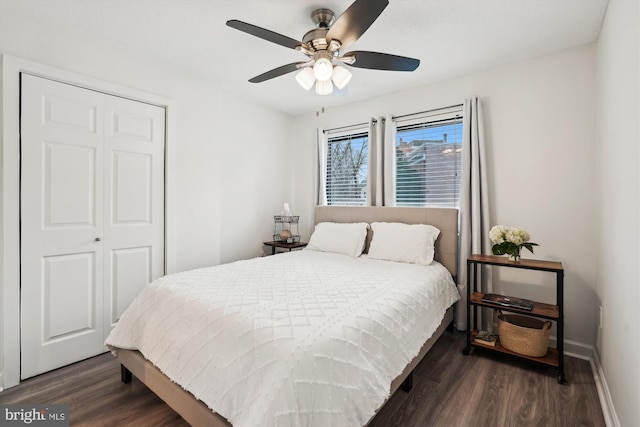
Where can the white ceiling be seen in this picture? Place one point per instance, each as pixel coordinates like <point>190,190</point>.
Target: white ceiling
<point>450,37</point>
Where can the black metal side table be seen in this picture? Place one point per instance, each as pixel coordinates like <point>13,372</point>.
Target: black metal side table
<point>284,245</point>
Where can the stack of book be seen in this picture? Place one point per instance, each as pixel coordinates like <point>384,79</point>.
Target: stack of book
<point>486,338</point>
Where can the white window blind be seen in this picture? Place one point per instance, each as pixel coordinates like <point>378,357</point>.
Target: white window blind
<point>428,162</point>
<point>347,167</point>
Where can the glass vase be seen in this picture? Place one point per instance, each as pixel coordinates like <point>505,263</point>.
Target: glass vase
<point>515,255</point>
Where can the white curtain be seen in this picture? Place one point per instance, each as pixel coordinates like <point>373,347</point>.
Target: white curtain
<point>374,181</point>
<point>321,198</point>
<point>389,163</point>
<point>474,206</point>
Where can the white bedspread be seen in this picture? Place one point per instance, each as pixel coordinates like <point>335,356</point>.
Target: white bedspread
<point>298,339</point>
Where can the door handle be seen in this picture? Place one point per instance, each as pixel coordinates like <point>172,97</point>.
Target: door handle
<point>97,239</point>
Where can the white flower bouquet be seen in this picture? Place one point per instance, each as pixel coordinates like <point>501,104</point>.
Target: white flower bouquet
<point>509,241</point>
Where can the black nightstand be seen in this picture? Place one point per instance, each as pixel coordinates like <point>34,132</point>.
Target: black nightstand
<point>284,245</point>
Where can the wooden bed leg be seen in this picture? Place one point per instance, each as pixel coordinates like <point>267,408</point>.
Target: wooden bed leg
<point>125,375</point>
<point>407,384</point>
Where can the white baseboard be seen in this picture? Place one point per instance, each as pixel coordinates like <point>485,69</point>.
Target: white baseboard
<point>588,352</point>
<point>608,410</point>
<point>574,348</point>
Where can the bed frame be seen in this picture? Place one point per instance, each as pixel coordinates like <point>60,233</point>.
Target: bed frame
<point>196,413</point>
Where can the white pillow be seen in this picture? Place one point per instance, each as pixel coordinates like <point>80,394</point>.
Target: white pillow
<point>340,238</point>
<point>412,243</point>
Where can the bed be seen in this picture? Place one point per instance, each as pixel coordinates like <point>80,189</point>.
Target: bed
<point>266,365</point>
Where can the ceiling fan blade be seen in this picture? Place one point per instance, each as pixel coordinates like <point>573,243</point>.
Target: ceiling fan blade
<point>264,34</point>
<point>277,72</point>
<point>381,61</point>
<point>355,21</point>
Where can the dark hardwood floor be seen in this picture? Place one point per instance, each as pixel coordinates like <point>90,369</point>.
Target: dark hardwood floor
<point>450,390</point>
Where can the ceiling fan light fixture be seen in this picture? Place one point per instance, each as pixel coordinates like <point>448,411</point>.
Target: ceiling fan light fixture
<point>306,78</point>
<point>324,87</point>
<point>323,46</point>
<point>340,76</point>
<point>323,69</point>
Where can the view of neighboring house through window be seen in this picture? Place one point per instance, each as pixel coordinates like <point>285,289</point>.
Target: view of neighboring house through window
<point>347,162</point>
<point>428,163</point>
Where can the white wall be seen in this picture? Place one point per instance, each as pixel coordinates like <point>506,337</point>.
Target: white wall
<point>540,125</point>
<point>618,194</point>
<point>211,123</point>
<point>210,131</point>
<point>257,186</point>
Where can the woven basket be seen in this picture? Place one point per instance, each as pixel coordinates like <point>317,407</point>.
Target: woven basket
<point>524,335</point>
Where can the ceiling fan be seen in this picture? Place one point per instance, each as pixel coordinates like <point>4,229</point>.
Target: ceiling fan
<point>324,46</point>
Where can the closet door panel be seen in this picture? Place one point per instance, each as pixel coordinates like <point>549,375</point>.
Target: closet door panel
<point>69,278</point>
<point>61,204</point>
<point>130,268</point>
<point>70,193</point>
<point>132,186</point>
<point>134,183</point>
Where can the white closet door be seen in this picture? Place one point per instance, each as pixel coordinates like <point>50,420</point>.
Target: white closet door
<point>61,217</point>
<point>134,202</point>
<point>92,223</point>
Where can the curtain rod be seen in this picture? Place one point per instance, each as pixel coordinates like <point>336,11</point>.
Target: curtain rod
<point>427,111</point>
<point>393,118</point>
<point>349,126</point>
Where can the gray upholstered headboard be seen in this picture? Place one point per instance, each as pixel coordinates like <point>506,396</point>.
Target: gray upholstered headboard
<point>446,219</point>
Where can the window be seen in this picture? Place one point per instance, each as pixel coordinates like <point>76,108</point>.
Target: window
<point>426,154</point>
<point>347,169</point>
<point>428,163</point>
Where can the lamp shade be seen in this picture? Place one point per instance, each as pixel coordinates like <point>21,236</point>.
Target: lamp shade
<point>324,87</point>
<point>323,69</point>
<point>306,78</point>
<point>340,76</point>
